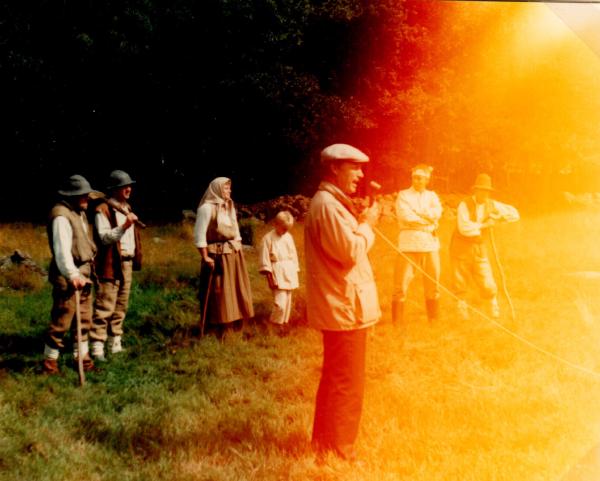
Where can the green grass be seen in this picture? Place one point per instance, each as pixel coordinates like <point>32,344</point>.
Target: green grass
<point>454,401</point>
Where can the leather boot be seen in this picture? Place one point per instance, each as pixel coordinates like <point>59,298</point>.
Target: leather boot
<point>433,308</point>
<point>50,366</point>
<point>397,312</point>
<point>88,364</point>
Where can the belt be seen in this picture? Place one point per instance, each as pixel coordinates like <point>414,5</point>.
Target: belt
<point>126,258</point>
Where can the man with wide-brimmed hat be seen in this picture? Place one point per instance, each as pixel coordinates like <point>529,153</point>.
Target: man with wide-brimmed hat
<point>418,211</point>
<point>341,296</point>
<point>475,215</point>
<point>71,270</point>
<point>119,254</point>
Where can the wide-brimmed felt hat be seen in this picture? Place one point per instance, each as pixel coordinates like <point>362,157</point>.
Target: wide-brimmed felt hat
<point>339,152</point>
<point>74,186</point>
<point>483,182</point>
<point>119,178</point>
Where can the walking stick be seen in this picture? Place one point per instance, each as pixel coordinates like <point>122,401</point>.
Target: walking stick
<point>502,276</point>
<point>204,308</point>
<point>79,343</point>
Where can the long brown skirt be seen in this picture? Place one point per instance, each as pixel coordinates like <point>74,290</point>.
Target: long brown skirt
<point>229,292</point>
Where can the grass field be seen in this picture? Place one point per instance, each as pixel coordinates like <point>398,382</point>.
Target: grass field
<point>454,401</point>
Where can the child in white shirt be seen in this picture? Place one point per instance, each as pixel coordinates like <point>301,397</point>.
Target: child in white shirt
<point>278,261</point>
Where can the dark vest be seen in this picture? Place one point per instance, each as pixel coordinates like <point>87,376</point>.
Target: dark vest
<point>83,249</point>
<point>460,242</point>
<point>108,260</point>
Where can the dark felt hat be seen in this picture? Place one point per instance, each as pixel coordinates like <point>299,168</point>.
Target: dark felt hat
<point>119,178</point>
<point>74,186</point>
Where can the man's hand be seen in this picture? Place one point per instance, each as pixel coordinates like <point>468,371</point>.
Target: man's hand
<point>488,223</point>
<point>371,214</point>
<point>80,282</point>
<point>427,218</point>
<point>130,220</point>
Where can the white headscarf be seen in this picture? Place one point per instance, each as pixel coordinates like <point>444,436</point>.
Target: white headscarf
<point>226,214</point>
<point>214,192</point>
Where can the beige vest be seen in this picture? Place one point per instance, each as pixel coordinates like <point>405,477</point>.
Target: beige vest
<point>83,248</point>
<point>219,237</point>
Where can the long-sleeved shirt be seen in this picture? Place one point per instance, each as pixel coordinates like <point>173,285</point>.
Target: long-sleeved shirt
<point>62,242</point>
<point>472,228</point>
<point>278,256</point>
<point>110,235</point>
<point>203,217</point>
<point>340,288</point>
<point>417,234</point>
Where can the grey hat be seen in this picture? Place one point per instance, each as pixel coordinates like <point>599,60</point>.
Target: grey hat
<point>119,178</point>
<point>74,186</point>
<point>343,152</point>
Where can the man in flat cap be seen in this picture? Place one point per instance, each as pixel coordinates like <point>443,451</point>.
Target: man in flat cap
<point>418,211</point>
<point>475,216</point>
<point>119,254</point>
<point>71,270</point>
<point>342,299</point>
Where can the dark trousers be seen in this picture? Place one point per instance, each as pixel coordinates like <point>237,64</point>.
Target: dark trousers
<point>340,394</point>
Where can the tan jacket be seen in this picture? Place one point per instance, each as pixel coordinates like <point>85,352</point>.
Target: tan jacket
<point>340,288</point>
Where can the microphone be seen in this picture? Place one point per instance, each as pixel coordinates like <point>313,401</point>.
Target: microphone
<point>374,185</point>
<point>373,188</point>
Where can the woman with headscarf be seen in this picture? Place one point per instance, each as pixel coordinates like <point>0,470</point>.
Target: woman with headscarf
<point>224,281</point>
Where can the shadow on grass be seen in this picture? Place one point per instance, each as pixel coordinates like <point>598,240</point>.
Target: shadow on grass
<point>17,352</point>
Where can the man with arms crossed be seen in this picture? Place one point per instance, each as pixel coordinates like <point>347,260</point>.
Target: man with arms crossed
<point>418,211</point>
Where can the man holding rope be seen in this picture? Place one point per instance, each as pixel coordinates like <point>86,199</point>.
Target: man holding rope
<point>341,296</point>
<point>475,216</point>
<point>418,211</point>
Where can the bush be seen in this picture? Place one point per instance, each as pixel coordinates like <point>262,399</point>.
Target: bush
<point>248,229</point>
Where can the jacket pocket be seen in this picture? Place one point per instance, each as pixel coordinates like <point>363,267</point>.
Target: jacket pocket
<point>368,308</point>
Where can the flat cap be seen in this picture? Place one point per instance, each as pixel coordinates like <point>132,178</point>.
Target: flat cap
<point>343,152</point>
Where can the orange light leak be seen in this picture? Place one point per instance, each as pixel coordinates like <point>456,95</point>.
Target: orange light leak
<point>502,87</point>
<point>512,89</point>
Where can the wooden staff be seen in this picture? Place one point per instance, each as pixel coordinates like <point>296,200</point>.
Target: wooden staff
<point>501,272</point>
<point>204,308</point>
<point>79,343</point>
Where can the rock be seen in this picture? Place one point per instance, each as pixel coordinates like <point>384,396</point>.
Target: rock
<point>188,215</point>
<point>21,258</point>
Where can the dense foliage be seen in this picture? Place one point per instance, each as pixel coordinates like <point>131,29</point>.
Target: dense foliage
<point>187,89</point>
<point>180,91</point>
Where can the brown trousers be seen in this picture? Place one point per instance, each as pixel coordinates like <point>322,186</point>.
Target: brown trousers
<point>110,306</point>
<point>62,315</point>
<point>471,261</point>
<point>341,389</point>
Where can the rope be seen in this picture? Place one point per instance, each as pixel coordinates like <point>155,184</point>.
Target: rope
<point>508,331</point>
<point>502,276</point>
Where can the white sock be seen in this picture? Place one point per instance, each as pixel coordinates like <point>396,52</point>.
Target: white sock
<point>51,353</point>
<point>84,349</point>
